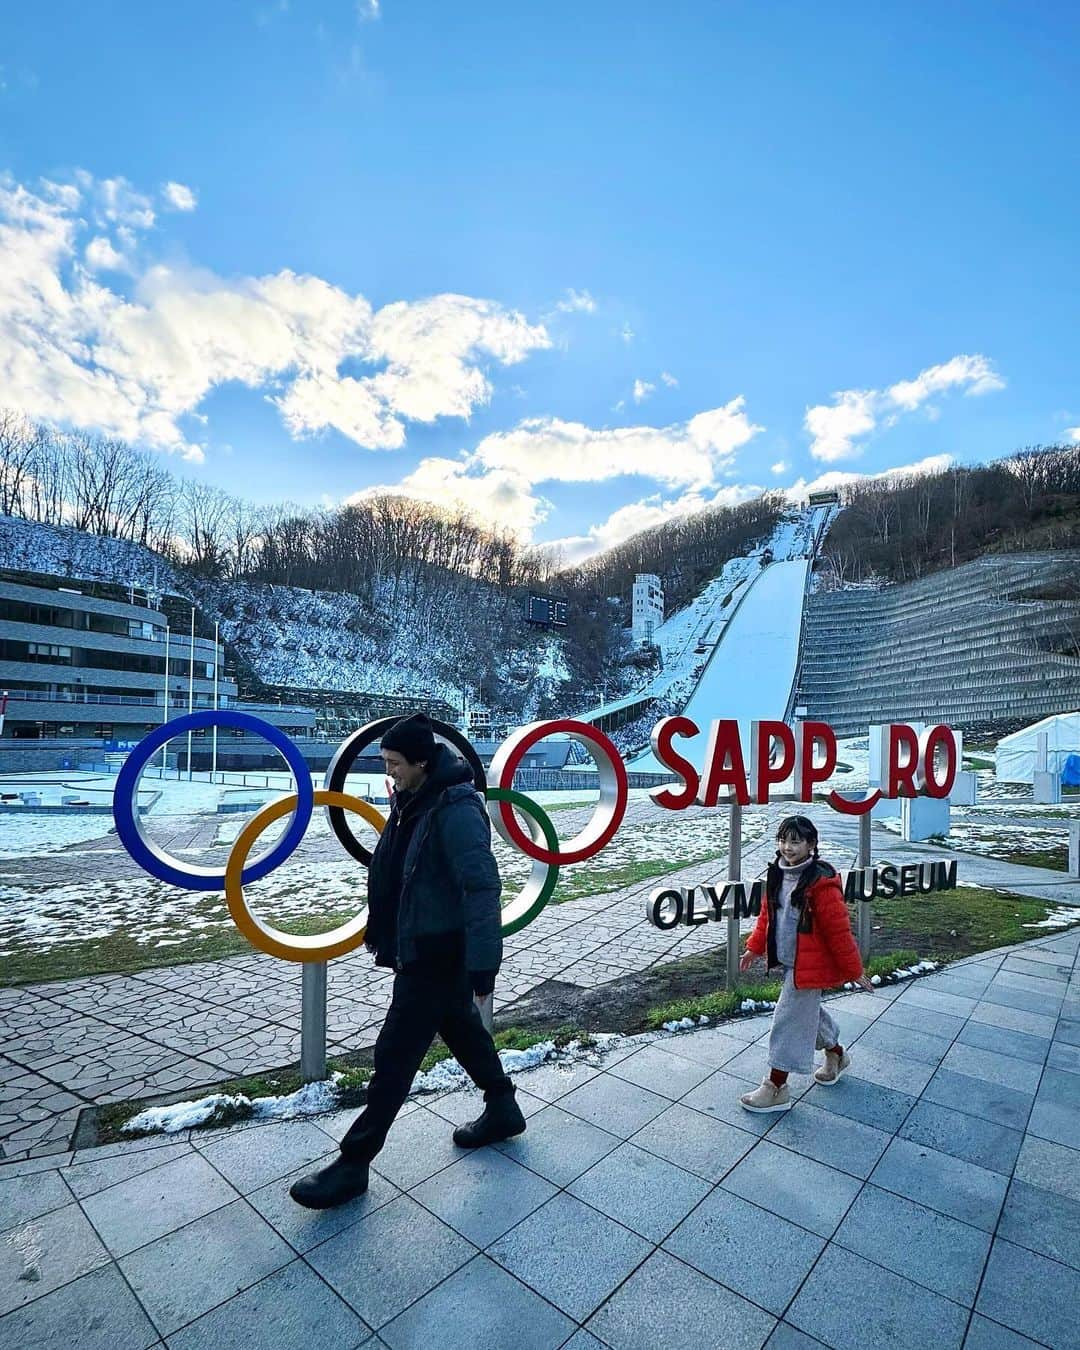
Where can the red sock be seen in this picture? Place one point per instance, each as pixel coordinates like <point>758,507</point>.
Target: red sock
<point>778,1077</point>
<point>836,1049</point>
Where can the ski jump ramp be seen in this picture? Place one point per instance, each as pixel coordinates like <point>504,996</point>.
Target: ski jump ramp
<point>752,669</point>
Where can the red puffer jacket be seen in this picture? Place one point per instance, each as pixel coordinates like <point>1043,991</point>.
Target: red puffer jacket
<point>826,954</point>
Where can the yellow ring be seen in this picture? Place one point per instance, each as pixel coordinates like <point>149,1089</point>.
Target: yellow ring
<point>290,946</point>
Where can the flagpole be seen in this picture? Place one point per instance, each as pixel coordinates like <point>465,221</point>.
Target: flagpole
<point>191,687</point>
<point>213,764</point>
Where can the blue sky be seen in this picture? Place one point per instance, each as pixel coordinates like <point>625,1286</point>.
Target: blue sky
<point>580,265</point>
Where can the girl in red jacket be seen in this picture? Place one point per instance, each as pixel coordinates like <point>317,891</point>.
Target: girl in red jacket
<point>803,927</point>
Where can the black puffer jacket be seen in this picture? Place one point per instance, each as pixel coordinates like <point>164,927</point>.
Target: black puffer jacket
<point>450,888</point>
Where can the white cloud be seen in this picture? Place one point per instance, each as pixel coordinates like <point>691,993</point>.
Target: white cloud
<point>102,257</point>
<point>974,372</point>
<point>576,302</point>
<point>854,413</point>
<point>179,197</point>
<point>73,351</point>
<point>834,428</point>
<point>642,390</point>
<point>837,478</point>
<point>643,515</point>
<point>689,454</point>
<point>1073,434</point>
<point>781,466</point>
<point>367,10</point>
<point>498,498</point>
<point>667,378</point>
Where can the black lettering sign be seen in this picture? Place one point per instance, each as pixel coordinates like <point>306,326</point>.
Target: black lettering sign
<point>908,878</point>
<point>665,908</point>
<point>887,881</point>
<point>691,919</point>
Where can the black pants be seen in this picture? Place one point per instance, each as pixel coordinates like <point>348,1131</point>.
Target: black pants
<point>427,1000</point>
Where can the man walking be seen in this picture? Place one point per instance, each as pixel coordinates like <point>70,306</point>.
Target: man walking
<point>434,917</point>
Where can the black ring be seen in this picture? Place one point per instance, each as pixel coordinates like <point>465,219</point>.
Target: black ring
<point>350,750</point>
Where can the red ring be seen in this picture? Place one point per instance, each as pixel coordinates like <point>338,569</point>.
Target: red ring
<point>536,733</point>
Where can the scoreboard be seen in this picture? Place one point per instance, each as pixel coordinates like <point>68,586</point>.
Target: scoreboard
<point>545,609</point>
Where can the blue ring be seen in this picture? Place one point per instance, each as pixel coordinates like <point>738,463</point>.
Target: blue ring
<point>127,781</point>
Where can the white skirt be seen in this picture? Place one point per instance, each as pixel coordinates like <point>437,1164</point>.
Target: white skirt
<point>800,1025</point>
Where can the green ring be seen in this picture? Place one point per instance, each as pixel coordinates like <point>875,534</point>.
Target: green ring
<point>534,904</point>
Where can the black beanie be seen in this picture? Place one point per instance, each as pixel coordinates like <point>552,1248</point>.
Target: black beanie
<point>412,737</point>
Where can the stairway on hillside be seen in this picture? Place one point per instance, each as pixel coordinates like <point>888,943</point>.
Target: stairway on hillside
<point>993,643</point>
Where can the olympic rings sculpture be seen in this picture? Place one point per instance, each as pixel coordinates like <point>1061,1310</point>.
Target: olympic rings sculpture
<point>540,842</point>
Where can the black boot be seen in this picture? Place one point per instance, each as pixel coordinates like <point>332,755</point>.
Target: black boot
<point>502,1119</point>
<point>331,1186</point>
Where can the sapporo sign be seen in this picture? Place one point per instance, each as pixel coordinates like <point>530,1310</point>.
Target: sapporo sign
<point>732,774</point>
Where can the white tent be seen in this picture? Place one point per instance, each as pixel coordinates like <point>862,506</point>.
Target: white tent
<point>1015,756</point>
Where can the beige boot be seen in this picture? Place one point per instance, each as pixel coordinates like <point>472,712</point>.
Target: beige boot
<point>767,1097</point>
<point>833,1067</point>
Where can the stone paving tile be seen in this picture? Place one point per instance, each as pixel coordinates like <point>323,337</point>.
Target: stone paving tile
<point>1050,1166</point>
<point>545,1251</point>
<point>1003,1041</point>
<point>694,1141</point>
<point>1043,1222</point>
<point>986,1335</point>
<point>251,1158</point>
<point>389,1259</point>
<point>483,1195</point>
<point>615,1105</point>
<point>723,1238</point>
<point>304,1228</point>
<point>972,1138</point>
<point>26,1197</point>
<point>1014,1019</point>
<point>1057,1121</point>
<point>552,1082</point>
<point>904,1014</point>
<point>665,1302</point>
<point>846,1296</point>
<point>977,1097</point>
<point>419,1145</point>
<point>145,1207</point>
<point>888,1069</point>
<point>661,1070</point>
<point>184,1274</point>
<point>830,1138</point>
<point>96,1312</point>
<point>648,1194</point>
<point>559,1146</point>
<point>483,1307</point>
<point>909,1239</point>
<point>993,1067</point>
<point>882,1107</point>
<point>46,1253</point>
<point>292,1309</point>
<point>961,1189</point>
<point>905,1042</point>
<point>1023,1000</point>
<point>1012,1273</point>
<point>807,1192</point>
<point>1063,1056</point>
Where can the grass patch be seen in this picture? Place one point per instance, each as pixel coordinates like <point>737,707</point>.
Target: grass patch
<point>120,953</point>
<point>573,884</point>
<point>727,1002</point>
<point>1056,859</point>
<point>954,923</point>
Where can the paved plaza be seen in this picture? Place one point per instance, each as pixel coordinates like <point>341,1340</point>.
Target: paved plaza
<point>930,1198</point>
<point>69,1044</point>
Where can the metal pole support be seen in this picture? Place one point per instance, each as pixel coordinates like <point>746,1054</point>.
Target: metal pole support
<point>864,913</point>
<point>1074,848</point>
<point>734,874</point>
<point>313,1021</point>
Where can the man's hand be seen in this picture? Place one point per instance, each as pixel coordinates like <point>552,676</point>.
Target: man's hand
<point>746,961</point>
<point>864,982</point>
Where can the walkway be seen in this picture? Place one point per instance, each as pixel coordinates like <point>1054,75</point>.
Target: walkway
<point>66,1045</point>
<point>931,1198</point>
